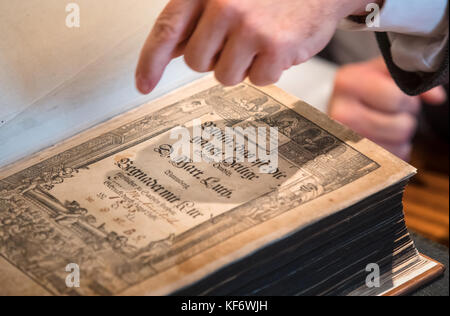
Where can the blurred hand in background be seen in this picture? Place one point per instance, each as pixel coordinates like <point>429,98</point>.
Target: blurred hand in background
<point>367,100</point>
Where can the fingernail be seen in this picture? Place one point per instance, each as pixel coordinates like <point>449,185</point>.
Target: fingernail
<point>440,94</point>
<point>436,96</point>
<point>143,85</point>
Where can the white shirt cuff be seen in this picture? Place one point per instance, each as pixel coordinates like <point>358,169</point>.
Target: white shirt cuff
<point>418,30</point>
<point>411,17</point>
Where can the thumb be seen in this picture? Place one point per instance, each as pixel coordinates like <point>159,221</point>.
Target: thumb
<point>435,96</point>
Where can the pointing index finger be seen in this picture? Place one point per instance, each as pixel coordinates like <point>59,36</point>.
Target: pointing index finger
<point>172,27</point>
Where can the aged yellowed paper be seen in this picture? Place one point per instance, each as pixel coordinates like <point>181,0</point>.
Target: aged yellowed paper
<point>113,202</point>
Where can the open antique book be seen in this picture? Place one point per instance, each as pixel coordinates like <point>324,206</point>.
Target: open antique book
<point>112,201</point>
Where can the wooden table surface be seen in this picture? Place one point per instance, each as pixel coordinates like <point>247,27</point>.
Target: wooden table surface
<point>427,196</point>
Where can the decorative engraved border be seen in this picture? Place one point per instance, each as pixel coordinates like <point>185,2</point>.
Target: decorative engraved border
<point>133,266</point>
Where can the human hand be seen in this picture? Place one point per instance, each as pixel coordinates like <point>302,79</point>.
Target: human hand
<point>239,38</point>
<point>367,100</point>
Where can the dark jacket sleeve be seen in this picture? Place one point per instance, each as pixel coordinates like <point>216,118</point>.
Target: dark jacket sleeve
<point>412,83</point>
